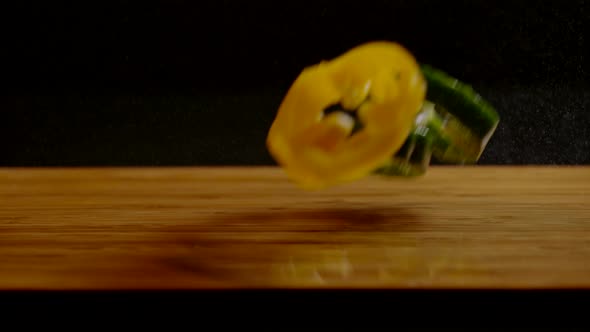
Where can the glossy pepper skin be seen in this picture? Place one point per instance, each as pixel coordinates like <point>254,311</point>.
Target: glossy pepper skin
<point>381,81</point>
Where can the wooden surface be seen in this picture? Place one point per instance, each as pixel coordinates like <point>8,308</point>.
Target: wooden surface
<point>167,228</point>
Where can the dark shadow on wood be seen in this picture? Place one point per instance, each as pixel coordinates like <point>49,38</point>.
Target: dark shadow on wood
<point>238,247</point>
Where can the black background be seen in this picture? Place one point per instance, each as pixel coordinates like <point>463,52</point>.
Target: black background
<point>199,82</point>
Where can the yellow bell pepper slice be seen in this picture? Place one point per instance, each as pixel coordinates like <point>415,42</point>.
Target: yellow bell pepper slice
<point>379,81</point>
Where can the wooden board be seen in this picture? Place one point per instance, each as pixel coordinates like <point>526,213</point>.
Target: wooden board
<point>244,227</point>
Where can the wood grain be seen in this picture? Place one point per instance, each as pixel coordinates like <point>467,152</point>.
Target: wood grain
<point>244,227</point>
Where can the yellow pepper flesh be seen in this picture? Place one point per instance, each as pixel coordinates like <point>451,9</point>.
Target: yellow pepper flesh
<point>382,80</point>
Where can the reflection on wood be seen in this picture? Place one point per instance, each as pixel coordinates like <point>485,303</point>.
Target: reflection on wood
<point>237,227</point>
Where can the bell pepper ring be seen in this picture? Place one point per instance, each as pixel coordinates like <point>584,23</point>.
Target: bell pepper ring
<point>377,84</point>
